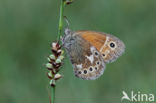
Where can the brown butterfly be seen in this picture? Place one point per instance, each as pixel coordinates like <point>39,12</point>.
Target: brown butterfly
<point>89,51</point>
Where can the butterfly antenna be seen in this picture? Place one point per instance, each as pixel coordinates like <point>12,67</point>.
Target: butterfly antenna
<point>67,21</point>
<point>67,30</point>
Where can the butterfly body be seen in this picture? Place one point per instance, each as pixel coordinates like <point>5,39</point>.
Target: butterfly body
<point>89,51</point>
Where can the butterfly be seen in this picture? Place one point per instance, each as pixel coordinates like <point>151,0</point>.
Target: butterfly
<point>90,51</point>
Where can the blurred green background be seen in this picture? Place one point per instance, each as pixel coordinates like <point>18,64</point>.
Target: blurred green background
<point>27,28</point>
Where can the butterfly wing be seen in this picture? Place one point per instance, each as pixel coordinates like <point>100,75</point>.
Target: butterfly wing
<point>87,62</point>
<point>92,66</point>
<point>108,45</point>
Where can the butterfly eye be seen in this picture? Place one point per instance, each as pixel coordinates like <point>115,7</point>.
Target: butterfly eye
<point>85,71</point>
<point>67,31</point>
<point>112,45</point>
<point>71,39</point>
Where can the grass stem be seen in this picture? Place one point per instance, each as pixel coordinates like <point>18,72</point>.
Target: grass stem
<point>53,95</point>
<point>60,29</point>
<point>61,19</point>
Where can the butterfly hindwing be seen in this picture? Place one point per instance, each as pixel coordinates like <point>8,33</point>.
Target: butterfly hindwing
<point>92,67</point>
<point>108,45</point>
<point>87,62</point>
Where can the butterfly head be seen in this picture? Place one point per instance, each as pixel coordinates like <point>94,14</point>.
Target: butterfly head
<point>68,38</point>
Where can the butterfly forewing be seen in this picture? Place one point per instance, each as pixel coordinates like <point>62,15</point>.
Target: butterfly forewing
<point>108,45</point>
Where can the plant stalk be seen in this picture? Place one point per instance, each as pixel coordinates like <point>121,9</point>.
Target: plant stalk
<point>60,29</point>
<point>53,95</point>
<point>61,19</point>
